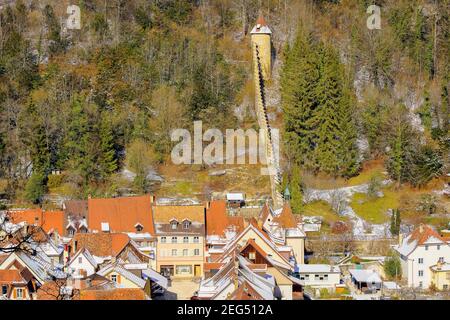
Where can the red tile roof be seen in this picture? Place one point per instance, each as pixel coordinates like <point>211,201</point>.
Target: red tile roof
<point>48,220</point>
<point>11,276</point>
<point>122,214</point>
<point>245,292</point>
<point>217,219</point>
<point>261,21</point>
<point>422,233</point>
<point>102,244</point>
<point>114,294</point>
<point>286,218</point>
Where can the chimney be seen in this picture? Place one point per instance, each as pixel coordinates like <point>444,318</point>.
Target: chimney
<point>89,196</point>
<point>208,204</point>
<point>152,198</point>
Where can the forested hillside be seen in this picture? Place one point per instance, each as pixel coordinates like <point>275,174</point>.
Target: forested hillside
<point>100,101</point>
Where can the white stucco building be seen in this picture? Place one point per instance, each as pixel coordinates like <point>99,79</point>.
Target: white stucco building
<point>420,250</point>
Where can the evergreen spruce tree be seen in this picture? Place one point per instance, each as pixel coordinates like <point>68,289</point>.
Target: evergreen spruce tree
<point>107,158</point>
<point>295,188</point>
<point>298,83</point>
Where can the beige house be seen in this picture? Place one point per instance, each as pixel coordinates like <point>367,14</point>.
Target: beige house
<point>180,231</point>
<point>440,276</point>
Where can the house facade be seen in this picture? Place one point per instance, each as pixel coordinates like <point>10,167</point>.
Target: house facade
<point>180,230</point>
<point>418,251</point>
<point>440,276</point>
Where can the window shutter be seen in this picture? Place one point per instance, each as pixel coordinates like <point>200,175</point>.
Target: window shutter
<point>118,278</point>
<point>14,294</point>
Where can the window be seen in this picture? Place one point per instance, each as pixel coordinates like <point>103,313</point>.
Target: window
<point>426,247</point>
<point>196,252</point>
<point>196,239</point>
<point>184,269</point>
<point>325,277</point>
<point>420,284</point>
<point>186,224</point>
<point>4,290</point>
<point>80,259</point>
<point>174,225</point>
<point>439,247</point>
<point>139,228</point>
<point>114,278</point>
<point>174,239</point>
<point>174,252</point>
<point>316,277</point>
<point>420,273</point>
<point>163,239</point>
<point>185,239</point>
<point>71,232</point>
<point>445,287</point>
<point>420,260</point>
<point>306,276</point>
<point>252,255</point>
<point>441,259</point>
<point>185,252</point>
<point>19,293</point>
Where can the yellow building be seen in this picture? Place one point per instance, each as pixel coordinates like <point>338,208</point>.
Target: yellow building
<point>440,276</point>
<point>261,37</point>
<point>181,240</point>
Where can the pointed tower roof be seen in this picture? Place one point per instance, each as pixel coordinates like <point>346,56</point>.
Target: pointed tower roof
<point>286,218</point>
<point>261,26</point>
<point>261,21</point>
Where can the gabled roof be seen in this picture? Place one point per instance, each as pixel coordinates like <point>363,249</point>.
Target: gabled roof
<point>85,252</point>
<point>121,213</point>
<point>231,246</point>
<point>48,220</point>
<point>11,277</point>
<point>421,235</point>
<point>217,219</point>
<point>365,275</point>
<point>123,272</point>
<point>245,292</point>
<point>286,218</point>
<point>102,244</point>
<point>265,211</point>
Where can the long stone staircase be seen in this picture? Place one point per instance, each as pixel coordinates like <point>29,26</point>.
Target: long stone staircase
<point>263,120</point>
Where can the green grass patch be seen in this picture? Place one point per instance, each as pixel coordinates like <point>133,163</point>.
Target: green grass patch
<point>366,175</point>
<point>374,210</point>
<point>321,208</point>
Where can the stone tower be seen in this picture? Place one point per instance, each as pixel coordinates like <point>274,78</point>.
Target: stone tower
<point>262,38</point>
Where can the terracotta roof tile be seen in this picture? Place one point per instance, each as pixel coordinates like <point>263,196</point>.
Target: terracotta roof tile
<point>102,244</point>
<point>422,233</point>
<point>114,294</point>
<point>11,276</point>
<point>164,214</point>
<point>48,220</point>
<point>261,21</point>
<point>286,218</point>
<point>217,219</point>
<point>245,292</point>
<point>122,214</point>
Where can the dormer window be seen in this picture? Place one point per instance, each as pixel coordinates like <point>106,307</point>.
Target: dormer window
<point>173,224</point>
<point>139,227</point>
<point>186,224</point>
